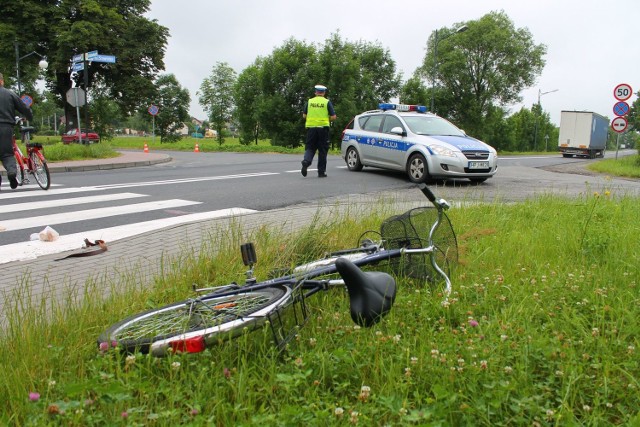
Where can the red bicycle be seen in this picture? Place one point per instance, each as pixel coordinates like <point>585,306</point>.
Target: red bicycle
<point>34,162</point>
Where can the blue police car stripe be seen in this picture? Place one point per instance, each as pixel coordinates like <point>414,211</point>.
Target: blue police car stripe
<point>391,144</point>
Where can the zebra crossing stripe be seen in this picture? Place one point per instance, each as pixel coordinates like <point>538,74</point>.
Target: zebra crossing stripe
<point>33,249</point>
<point>62,218</point>
<point>29,206</point>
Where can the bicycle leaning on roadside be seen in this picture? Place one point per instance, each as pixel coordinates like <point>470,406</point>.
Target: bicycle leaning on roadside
<point>34,162</point>
<point>419,243</point>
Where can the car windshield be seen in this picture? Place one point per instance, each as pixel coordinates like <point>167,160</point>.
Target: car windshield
<point>429,125</point>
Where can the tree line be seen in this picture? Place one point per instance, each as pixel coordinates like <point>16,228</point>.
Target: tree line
<point>471,73</point>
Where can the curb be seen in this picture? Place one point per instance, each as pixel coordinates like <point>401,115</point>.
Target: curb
<point>107,166</point>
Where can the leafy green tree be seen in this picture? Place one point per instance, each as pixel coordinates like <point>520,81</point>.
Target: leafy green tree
<point>46,114</point>
<point>173,104</point>
<point>248,96</point>
<point>414,91</point>
<point>487,65</point>
<point>216,97</point>
<point>634,114</point>
<point>286,76</point>
<point>59,29</point>
<point>105,112</point>
<point>358,75</point>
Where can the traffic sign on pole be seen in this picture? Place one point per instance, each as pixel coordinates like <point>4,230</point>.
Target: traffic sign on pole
<point>76,97</point>
<point>622,92</point>
<point>104,58</point>
<point>91,55</point>
<point>28,101</point>
<point>621,108</point>
<point>619,124</point>
<point>77,66</point>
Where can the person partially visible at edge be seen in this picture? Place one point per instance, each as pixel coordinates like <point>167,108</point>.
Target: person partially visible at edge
<point>318,115</point>
<point>9,103</point>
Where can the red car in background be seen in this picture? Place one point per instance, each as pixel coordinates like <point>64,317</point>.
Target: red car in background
<point>88,136</point>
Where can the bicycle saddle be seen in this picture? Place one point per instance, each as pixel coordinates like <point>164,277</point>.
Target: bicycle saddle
<point>371,294</point>
<point>25,129</point>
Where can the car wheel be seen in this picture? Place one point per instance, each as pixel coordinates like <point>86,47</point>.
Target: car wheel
<point>353,160</point>
<point>417,168</point>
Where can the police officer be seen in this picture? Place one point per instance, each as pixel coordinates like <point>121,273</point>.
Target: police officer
<point>9,103</point>
<point>318,115</point>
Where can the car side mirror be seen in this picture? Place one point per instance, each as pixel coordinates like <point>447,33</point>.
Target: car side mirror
<point>398,131</point>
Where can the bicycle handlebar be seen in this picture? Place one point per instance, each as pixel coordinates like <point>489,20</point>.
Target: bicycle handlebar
<point>425,190</point>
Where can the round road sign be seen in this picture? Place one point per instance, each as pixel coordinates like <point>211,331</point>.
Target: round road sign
<point>153,110</point>
<point>619,124</point>
<point>27,100</point>
<point>621,108</point>
<point>622,92</point>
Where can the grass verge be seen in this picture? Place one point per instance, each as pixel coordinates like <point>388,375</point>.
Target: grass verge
<point>627,166</point>
<point>541,330</point>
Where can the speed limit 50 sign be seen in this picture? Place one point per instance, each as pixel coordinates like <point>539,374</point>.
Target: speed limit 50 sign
<point>622,92</point>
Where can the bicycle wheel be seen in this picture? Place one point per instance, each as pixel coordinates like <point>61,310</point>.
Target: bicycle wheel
<point>192,325</point>
<point>40,170</point>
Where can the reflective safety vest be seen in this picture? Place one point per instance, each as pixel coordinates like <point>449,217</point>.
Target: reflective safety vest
<point>317,112</point>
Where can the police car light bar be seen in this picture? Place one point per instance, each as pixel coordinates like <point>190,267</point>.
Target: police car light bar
<point>403,107</point>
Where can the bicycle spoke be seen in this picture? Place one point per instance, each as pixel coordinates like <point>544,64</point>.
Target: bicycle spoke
<point>192,316</point>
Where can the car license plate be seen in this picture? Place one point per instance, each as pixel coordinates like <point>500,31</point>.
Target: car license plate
<point>478,165</point>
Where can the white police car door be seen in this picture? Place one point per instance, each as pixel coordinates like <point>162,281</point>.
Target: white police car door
<point>369,138</point>
<point>389,148</point>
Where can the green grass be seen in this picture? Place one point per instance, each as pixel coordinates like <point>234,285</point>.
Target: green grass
<point>56,151</point>
<point>627,166</point>
<point>204,145</point>
<point>541,329</point>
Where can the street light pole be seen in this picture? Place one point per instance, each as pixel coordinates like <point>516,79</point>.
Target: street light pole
<point>43,64</point>
<point>436,40</point>
<point>535,133</point>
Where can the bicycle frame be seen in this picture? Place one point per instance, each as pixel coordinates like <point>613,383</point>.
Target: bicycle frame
<point>33,162</point>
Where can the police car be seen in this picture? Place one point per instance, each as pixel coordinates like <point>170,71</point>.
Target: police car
<point>407,138</point>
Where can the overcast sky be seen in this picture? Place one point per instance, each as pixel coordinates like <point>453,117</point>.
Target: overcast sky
<point>592,45</point>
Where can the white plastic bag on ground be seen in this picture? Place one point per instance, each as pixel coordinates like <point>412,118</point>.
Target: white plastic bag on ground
<point>49,234</point>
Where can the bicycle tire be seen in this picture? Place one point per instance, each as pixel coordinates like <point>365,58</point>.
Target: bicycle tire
<point>40,170</point>
<point>192,325</point>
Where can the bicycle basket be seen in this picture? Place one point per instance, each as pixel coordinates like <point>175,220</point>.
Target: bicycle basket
<point>411,230</point>
<point>286,320</point>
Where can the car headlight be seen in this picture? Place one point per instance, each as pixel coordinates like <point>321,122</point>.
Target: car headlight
<point>442,151</point>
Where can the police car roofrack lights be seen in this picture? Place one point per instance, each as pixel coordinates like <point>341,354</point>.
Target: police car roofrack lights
<point>402,107</point>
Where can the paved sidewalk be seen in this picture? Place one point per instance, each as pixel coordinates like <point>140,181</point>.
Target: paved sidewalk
<point>127,159</point>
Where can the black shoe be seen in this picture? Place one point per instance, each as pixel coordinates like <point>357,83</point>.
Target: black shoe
<point>322,175</point>
<point>303,171</point>
<point>13,182</point>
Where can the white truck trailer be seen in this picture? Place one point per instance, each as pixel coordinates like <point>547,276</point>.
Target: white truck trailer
<point>582,133</point>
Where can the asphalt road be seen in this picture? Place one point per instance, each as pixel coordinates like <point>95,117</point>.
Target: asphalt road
<point>209,182</point>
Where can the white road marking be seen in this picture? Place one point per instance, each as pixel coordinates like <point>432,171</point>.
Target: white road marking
<point>21,194</point>
<point>39,221</point>
<point>186,180</point>
<point>29,206</point>
<point>33,249</point>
